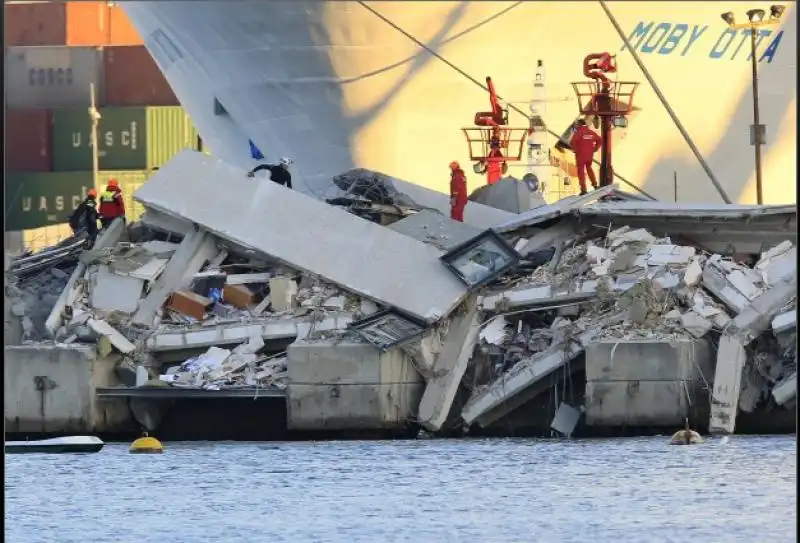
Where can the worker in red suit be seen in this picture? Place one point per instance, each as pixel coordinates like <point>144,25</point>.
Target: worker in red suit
<point>585,143</point>
<point>494,169</point>
<point>458,192</point>
<point>111,204</point>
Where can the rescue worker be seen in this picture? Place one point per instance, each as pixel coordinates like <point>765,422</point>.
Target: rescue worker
<point>458,192</point>
<point>84,218</point>
<point>111,204</point>
<point>279,173</point>
<point>585,143</point>
<point>494,168</point>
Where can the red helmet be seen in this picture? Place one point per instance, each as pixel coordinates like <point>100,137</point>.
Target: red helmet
<point>112,184</point>
<point>454,165</point>
<point>92,193</point>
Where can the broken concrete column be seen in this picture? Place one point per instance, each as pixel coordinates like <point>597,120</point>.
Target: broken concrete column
<point>451,363</point>
<point>731,358</point>
<point>196,248</point>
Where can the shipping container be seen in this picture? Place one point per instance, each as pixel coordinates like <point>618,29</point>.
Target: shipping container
<point>46,77</point>
<point>36,239</point>
<point>128,138</point>
<point>68,23</point>
<point>28,144</point>
<point>129,181</point>
<point>122,30</point>
<point>33,200</point>
<point>134,79</point>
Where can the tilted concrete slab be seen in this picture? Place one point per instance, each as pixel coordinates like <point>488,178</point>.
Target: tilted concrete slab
<point>757,317</point>
<point>784,321</point>
<point>551,211</point>
<point>435,229</point>
<point>719,228</point>
<point>449,367</point>
<point>525,374</point>
<point>731,358</point>
<point>228,334</point>
<point>305,234</point>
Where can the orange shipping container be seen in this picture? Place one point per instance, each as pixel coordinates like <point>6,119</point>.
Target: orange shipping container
<point>28,140</point>
<point>72,23</point>
<point>122,31</point>
<point>132,78</point>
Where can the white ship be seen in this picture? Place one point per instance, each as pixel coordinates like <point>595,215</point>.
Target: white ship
<point>341,84</point>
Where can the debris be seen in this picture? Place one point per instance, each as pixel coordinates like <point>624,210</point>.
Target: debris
<point>238,296</point>
<point>190,304</point>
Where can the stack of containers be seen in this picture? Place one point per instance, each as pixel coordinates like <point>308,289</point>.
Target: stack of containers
<point>54,52</point>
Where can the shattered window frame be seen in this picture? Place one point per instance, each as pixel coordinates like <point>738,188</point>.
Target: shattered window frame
<point>375,325</point>
<point>490,237</point>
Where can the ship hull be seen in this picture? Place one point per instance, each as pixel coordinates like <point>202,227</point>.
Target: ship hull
<point>333,85</point>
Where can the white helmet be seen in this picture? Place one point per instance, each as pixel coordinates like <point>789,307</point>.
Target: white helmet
<point>286,162</point>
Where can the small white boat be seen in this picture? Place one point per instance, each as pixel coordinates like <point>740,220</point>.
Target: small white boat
<point>57,445</point>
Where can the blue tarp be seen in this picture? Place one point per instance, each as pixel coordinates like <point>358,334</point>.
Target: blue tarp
<point>254,152</point>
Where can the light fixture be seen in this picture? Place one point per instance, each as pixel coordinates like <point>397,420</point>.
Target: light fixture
<point>775,12</point>
<point>728,18</point>
<point>755,15</point>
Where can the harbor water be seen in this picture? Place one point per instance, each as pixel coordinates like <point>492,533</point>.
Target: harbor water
<point>742,489</point>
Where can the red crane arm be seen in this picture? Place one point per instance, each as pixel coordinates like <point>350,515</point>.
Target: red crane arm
<point>596,65</point>
<point>497,111</point>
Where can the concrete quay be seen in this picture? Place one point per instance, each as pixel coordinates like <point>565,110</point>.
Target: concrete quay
<point>596,315</point>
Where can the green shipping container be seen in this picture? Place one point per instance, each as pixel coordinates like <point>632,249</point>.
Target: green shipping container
<point>43,199</point>
<point>128,138</point>
<point>129,181</point>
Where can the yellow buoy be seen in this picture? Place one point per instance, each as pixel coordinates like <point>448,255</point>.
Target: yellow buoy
<point>146,445</point>
<point>687,436</point>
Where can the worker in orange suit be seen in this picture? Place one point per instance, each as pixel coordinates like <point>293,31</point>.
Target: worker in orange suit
<point>111,204</point>
<point>585,143</point>
<point>458,192</point>
<point>494,169</point>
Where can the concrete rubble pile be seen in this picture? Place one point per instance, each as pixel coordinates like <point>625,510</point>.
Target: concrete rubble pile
<point>212,296</point>
<point>630,285</point>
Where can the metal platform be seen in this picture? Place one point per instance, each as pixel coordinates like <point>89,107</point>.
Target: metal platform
<point>172,393</point>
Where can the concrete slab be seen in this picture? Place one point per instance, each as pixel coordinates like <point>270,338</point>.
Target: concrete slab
<point>784,321</point>
<point>551,211</point>
<point>450,365</point>
<point>435,229</point>
<point>648,360</point>
<point>756,317</point>
<point>149,272</point>
<point>112,292</point>
<point>731,358</point>
<point>120,342</point>
<point>196,248</point>
<point>550,237</point>
<point>228,334</point>
<point>305,234</point>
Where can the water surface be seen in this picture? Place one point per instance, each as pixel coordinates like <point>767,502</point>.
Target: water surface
<point>418,491</point>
